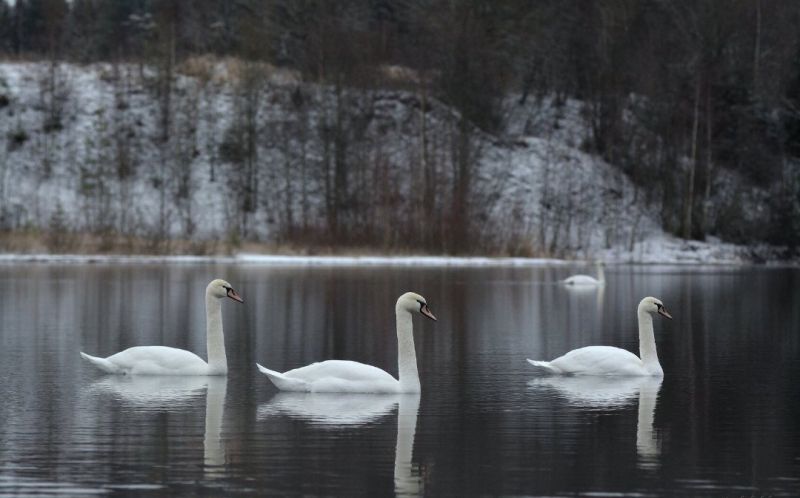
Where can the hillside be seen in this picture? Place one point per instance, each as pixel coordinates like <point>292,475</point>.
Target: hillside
<point>236,152</point>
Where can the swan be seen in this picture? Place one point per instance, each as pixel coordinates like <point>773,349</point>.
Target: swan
<point>162,360</point>
<point>586,280</point>
<point>607,360</point>
<point>354,377</point>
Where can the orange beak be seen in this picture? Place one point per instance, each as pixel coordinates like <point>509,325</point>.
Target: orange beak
<point>427,312</point>
<point>233,295</point>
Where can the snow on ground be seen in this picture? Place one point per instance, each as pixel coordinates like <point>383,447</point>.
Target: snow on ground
<point>534,182</point>
<point>663,251</point>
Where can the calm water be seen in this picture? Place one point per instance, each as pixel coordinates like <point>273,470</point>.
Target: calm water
<point>725,420</point>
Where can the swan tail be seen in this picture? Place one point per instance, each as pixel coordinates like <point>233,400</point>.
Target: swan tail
<point>101,363</point>
<point>283,382</point>
<point>545,365</point>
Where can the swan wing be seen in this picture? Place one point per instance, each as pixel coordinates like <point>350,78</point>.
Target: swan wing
<point>336,376</point>
<point>599,360</point>
<point>152,360</point>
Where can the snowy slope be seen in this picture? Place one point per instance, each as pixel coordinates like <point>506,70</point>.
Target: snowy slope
<point>533,184</point>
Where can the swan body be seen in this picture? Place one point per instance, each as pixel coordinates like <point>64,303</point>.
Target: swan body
<point>586,280</point>
<point>151,360</point>
<point>163,360</point>
<point>354,377</point>
<point>607,360</point>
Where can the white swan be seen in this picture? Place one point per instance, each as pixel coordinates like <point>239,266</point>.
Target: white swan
<point>162,360</point>
<point>586,280</point>
<point>607,360</point>
<point>354,377</point>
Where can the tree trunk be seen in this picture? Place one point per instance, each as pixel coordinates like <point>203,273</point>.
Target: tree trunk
<point>689,199</point>
<point>709,167</point>
<point>757,50</point>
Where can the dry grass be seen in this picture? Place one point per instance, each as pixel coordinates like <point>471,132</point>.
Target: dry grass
<point>52,242</point>
<point>231,70</point>
<point>41,242</point>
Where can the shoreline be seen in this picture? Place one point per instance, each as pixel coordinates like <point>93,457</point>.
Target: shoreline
<point>260,259</point>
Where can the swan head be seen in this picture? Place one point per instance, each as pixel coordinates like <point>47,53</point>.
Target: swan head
<point>654,305</point>
<point>220,288</point>
<point>414,303</point>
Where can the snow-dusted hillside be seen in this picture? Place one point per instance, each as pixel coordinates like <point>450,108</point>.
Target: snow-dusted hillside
<point>86,148</point>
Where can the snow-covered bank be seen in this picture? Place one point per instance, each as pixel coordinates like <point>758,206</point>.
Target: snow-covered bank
<point>664,250</point>
<point>671,250</point>
<point>279,260</point>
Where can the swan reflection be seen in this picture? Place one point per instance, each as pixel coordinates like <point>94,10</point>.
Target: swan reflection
<point>151,392</point>
<point>213,444</point>
<point>613,392</point>
<point>342,410</point>
<point>330,409</point>
<point>407,476</point>
<point>160,393</point>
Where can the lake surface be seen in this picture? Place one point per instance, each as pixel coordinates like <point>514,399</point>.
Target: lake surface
<point>724,421</point>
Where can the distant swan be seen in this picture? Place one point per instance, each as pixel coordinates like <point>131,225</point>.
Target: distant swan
<point>586,280</point>
<point>354,377</point>
<point>607,360</point>
<point>162,360</point>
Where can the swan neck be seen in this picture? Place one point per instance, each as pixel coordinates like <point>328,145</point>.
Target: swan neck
<point>406,354</point>
<point>647,344</point>
<point>215,340</point>
<point>601,274</point>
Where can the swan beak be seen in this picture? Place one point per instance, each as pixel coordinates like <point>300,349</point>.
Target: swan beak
<point>663,312</point>
<point>427,312</point>
<point>233,295</point>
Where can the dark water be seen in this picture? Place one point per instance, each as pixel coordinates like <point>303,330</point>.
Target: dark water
<point>725,420</point>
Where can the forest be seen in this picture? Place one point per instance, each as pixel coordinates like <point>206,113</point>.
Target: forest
<point>403,125</point>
